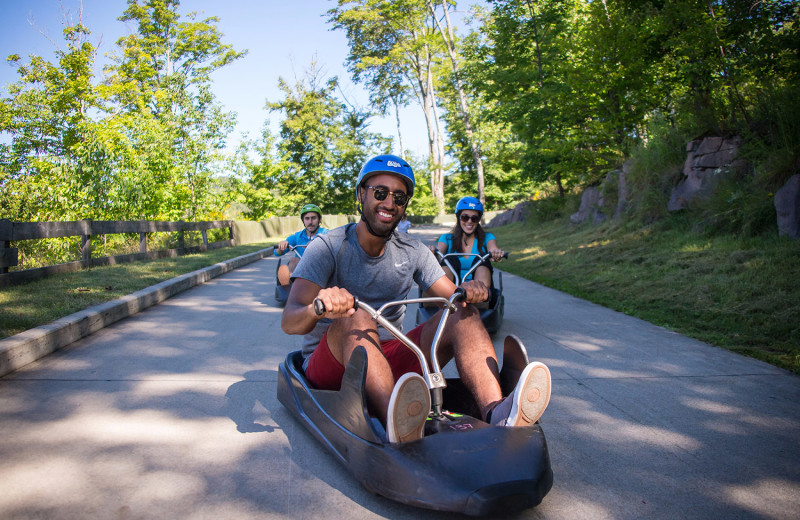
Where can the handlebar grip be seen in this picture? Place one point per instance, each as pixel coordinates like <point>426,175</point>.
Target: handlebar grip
<point>459,294</point>
<point>319,306</point>
<point>505,254</point>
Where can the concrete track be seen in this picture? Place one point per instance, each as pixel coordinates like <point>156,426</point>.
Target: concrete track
<point>172,413</point>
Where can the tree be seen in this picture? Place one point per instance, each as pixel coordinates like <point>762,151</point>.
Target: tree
<point>323,145</point>
<point>450,45</point>
<point>397,38</point>
<point>52,167</point>
<point>520,64</point>
<point>161,82</point>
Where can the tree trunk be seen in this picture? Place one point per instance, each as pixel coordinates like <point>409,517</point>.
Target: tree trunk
<point>423,68</point>
<point>462,97</point>
<point>399,132</point>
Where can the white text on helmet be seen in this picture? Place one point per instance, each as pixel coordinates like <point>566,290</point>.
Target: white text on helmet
<point>393,164</point>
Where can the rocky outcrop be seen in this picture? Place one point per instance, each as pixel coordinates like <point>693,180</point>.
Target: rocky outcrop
<point>612,197</point>
<point>623,193</point>
<point>591,209</point>
<point>708,160</point>
<point>787,206</point>
<point>517,214</point>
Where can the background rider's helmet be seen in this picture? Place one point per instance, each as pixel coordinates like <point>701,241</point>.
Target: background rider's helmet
<point>310,208</point>
<point>387,163</point>
<point>469,203</point>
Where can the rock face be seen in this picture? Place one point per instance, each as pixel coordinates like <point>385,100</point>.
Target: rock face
<point>623,193</point>
<point>507,217</point>
<point>595,206</point>
<point>708,160</point>
<point>787,205</point>
<point>591,207</point>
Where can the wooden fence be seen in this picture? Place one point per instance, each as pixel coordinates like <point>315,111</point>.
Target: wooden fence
<point>17,231</point>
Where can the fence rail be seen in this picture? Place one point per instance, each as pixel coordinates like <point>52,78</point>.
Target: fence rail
<point>19,231</point>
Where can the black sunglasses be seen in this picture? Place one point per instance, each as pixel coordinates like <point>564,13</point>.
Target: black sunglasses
<point>381,192</point>
<point>474,218</point>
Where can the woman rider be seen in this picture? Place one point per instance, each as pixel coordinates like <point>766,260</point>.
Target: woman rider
<point>467,236</point>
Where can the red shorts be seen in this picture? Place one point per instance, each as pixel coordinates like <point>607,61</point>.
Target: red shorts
<point>325,372</point>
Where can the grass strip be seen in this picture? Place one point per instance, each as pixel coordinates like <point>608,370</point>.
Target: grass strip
<point>737,293</point>
<point>29,305</point>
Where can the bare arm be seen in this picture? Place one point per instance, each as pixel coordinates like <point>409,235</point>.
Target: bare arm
<point>299,316</point>
<point>476,291</point>
<point>497,253</point>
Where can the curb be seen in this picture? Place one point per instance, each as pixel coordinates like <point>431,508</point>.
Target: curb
<point>28,346</point>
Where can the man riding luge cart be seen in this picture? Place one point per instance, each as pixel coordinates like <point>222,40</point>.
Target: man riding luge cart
<point>366,367</point>
<point>296,243</point>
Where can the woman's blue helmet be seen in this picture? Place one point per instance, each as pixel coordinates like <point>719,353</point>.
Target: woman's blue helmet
<point>387,163</point>
<point>469,203</point>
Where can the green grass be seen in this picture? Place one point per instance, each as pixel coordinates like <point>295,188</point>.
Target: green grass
<point>29,305</point>
<point>736,293</point>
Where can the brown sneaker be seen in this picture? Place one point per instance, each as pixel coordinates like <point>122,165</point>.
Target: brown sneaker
<point>408,408</point>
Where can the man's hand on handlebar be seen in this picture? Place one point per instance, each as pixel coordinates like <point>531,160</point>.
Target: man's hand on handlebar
<point>338,302</point>
<point>282,246</point>
<point>476,291</point>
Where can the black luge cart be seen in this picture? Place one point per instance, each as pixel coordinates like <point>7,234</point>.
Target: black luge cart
<point>462,464</point>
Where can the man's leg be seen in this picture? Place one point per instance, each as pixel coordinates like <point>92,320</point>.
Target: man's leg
<point>344,335</point>
<point>284,275</point>
<point>466,339</point>
<point>285,271</point>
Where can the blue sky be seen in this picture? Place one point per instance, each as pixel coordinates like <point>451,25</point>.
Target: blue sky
<point>282,37</point>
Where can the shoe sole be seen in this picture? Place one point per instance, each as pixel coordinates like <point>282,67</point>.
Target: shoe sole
<point>532,397</point>
<point>408,409</point>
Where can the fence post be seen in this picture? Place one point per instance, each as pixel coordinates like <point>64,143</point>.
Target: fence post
<point>9,256</point>
<point>181,242</point>
<point>230,233</point>
<point>86,244</point>
<point>142,242</point>
<point>205,236</point>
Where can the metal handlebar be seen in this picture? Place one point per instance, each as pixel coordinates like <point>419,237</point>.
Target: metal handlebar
<point>294,249</point>
<point>457,275</point>
<point>433,375</point>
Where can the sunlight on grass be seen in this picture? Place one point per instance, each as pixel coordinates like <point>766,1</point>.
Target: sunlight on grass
<point>732,292</point>
<point>695,247</point>
<point>596,243</point>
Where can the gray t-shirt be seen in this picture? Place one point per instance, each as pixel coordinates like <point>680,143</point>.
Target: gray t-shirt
<point>337,260</point>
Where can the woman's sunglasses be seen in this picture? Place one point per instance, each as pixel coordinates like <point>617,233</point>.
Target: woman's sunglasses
<point>381,192</point>
<point>466,218</point>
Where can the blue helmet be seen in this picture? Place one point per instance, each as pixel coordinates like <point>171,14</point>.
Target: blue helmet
<point>387,163</point>
<point>469,203</point>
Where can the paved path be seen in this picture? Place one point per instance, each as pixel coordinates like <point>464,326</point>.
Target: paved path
<point>172,413</point>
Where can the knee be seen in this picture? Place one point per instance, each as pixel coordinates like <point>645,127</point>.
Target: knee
<point>467,314</point>
<point>483,274</point>
<point>359,328</point>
